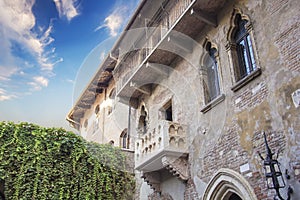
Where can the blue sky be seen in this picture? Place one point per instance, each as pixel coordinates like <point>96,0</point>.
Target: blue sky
<point>49,50</point>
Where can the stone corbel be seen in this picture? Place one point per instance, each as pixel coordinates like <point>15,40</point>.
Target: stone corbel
<point>152,179</point>
<point>177,166</point>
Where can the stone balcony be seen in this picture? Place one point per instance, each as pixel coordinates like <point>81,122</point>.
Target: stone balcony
<point>161,146</point>
<point>145,46</point>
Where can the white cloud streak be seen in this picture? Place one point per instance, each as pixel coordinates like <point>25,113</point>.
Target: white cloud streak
<point>66,8</point>
<point>6,72</point>
<point>38,82</point>
<point>115,20</point>
<point>16,24</point>
<point>5,96</point>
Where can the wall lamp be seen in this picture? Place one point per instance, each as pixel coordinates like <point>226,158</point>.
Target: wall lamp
<point>273,173</point>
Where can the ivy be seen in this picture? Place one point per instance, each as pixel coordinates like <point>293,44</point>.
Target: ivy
<point>51,163</point>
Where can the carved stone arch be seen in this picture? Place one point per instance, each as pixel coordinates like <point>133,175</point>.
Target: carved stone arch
<point>227,182</point>
<point>143,119</point>
<point>205,44</point>
<point>233,24</point>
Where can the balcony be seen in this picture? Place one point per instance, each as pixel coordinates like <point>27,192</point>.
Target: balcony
<point>145,44</point>
<point>167,142</point>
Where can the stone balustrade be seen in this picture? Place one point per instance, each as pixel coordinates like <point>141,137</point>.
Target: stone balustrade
<point>167,139</point>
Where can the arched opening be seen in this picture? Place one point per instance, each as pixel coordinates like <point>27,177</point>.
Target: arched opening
<point>124,139</point>
<point>227,184</point>
<point>142,126</point>
<point>234,197</point>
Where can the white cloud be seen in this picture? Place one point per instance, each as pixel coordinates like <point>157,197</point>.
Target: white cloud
<point>70,81</point>
<point>5,96</point>
<point>114,21</point>
<point>16,26</point>
<point>38,82</point>
<point>102,55</point>
<point>66,8</point>
<point>6,72</point>
<point>120,14</point>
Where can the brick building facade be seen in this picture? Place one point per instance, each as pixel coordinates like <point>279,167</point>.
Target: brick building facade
<point>196,83</point>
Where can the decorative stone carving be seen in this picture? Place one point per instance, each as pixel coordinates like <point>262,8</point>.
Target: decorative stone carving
<point>152,179</point>
<point>177,166</point>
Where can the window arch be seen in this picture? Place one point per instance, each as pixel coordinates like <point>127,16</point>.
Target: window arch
<point>124,139</point>
<point>241,50</point>
<point>210,73</point>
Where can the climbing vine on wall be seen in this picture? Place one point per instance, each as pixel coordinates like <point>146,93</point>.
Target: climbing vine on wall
<point>51,163</point>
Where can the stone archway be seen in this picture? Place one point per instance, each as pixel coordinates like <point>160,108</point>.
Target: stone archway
<point>227,184</point>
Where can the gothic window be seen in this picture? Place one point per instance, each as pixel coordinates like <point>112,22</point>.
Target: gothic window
<point>211,74</point>
<point>124,140</point>
<point>244,48</point>
<point>241,50</point>
<point>142,126</point>
<point>111,97</point>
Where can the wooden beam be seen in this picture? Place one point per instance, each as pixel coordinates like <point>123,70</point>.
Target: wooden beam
<point>101,84</point>
<point>84,106</point>
<point>206,18</point>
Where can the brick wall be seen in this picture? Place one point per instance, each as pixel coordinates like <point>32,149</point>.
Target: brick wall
<point>289,47</point>
<point>250,97</point>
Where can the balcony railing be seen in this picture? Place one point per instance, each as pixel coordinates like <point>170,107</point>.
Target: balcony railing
<point>152,38</point>
<point>167,139</point>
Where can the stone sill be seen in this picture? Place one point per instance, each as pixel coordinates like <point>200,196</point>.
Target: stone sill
<point>213,103</point>
<point>246,80</point>
<point>127,150</point>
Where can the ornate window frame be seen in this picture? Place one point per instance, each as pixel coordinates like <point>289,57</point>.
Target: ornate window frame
<point>234,60</point>
<point>209,102</point>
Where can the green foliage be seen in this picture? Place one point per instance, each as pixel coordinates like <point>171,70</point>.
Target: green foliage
<point>50,163</point>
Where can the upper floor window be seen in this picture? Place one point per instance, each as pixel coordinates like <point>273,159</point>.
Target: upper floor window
<point>210,74</point>
<point>241,50</point>
<point>112,96</point>
<point>142,124</point>
<point>124,139</point>
<point>244,49</point>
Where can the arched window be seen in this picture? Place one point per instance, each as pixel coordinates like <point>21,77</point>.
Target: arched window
<point>124,139</point>
<point>142,126</point>
<point>241,50</point>
<point>210,74</point>
<point>244,48</point>
<point>111,97</point>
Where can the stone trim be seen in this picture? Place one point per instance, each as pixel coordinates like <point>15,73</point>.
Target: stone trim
<point>246,80</point>
<point>213,103</point>
<point>227,181</point>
